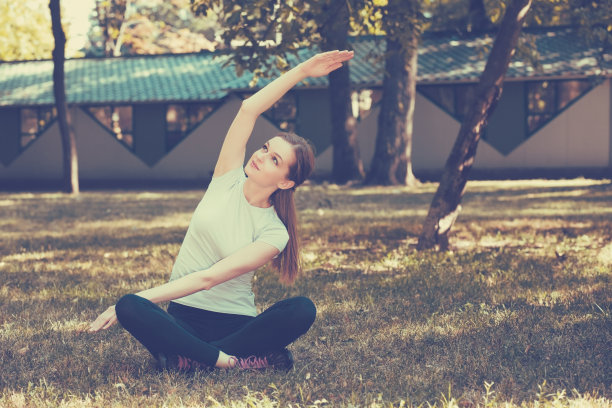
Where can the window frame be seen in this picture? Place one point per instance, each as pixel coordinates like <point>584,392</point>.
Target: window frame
<point>87,110</point>
<point>39,129</point>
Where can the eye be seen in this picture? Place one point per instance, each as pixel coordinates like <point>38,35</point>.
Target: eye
<point>275,161</point>
<point>264,148</point>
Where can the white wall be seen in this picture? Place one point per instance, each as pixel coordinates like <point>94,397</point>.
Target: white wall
<point>41,160</point>
<point>578,137</point>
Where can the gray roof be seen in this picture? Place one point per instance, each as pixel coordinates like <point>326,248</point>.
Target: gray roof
<point>201,76</point>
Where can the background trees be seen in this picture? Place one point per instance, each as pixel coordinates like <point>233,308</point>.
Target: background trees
<point>149,27</point>
<point>24,29</point>
<point>592,18</point>
<point>269,32</point>
<point>402,22</point>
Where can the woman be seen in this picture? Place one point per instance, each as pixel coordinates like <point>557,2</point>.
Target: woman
<point>245,219</point>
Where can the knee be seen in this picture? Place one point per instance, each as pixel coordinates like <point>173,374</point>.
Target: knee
<point>304,311</point>
<point>126,307</point>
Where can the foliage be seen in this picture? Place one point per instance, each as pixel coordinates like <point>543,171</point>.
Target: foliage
<point>149,27</point>
<point>518,313</point>
<point>110,18</point>
<point>263,34</point>
<point>25,28</point>
<point>251,28</point>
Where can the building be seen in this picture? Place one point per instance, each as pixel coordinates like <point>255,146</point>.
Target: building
<point>161,119</point>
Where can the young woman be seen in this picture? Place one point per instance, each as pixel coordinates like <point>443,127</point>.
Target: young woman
<point>245,219</point>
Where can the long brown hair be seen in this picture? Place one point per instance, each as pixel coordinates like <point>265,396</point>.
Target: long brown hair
<point>288,261</point>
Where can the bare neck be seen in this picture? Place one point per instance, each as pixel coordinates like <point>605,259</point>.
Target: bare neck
<point>257,195</point>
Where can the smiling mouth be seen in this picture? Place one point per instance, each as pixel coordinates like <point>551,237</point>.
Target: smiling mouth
<point>254,165</point>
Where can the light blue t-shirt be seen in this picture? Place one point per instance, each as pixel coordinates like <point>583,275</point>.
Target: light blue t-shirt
<point>223,223</point>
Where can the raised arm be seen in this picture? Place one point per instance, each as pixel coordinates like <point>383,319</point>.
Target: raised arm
<point>234,146</point>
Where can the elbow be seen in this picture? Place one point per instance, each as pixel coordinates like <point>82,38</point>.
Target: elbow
<point>249,108</point>
<point>206,283</point>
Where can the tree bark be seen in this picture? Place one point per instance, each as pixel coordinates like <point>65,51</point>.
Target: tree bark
<point>392,160</point>
<point>445,205</point>
<point>70,162</point>
<point>347,165</point>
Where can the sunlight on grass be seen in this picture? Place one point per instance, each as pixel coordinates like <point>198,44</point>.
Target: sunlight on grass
<point>516,314</point>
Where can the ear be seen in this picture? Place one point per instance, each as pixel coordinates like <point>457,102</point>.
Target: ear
<point>286,184</point>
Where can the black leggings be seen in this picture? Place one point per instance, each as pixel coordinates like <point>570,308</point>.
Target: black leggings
<point>201,334</point>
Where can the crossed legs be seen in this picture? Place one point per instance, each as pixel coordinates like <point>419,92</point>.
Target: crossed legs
<point>213,338</point>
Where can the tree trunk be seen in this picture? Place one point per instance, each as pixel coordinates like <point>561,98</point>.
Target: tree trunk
<point>477,19</point>
<point>392,161</point>
<point>347,165</point>
<point>445,205</point>
<point>70,163</point>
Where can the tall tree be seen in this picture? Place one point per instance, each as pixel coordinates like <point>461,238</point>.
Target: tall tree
<point>334,27</point>
<point>271,31</point>
<point>445,205</point>
<point>392,161</point>
<point>70,162</point>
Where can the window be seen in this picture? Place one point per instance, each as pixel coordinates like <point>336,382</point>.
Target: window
<point>34,121</point>
<point>546,99</point>
<point>524,108</point>
<point>283,113</point>
<point>118,120</point>
<point>453,99</point>
<point>181,119</point>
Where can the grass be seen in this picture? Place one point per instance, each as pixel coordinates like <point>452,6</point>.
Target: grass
<point>518,313</point>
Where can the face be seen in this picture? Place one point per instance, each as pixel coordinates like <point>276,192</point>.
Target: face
<point>270,164</point>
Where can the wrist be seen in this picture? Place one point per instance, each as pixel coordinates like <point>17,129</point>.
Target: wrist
<point>301,71</point>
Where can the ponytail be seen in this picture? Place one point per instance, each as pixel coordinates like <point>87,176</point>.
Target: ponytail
<point>288,261</point>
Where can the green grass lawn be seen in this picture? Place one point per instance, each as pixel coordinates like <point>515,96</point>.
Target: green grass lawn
<point>518,313</point>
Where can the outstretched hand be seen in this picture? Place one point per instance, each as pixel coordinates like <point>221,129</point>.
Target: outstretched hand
<point>104,321</point>
<point>325,62</point>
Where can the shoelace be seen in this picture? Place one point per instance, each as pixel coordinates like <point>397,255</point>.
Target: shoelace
<point>185,363</point>
<point>252,362</point>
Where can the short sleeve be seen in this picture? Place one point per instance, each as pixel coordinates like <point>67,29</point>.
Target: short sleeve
<point>228,179</point>
<point>275,235</point>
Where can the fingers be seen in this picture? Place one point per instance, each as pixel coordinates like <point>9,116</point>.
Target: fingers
<point>109,323</point>
<point>338,56</point>
<point>95,326</point>
<point>104,321</point>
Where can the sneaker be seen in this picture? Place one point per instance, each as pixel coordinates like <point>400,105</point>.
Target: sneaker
<point>276,360</point>
<point>280,359</point>
<point>175,362</point>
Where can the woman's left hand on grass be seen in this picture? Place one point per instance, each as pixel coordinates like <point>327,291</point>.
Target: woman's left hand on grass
<point>105,320</point>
